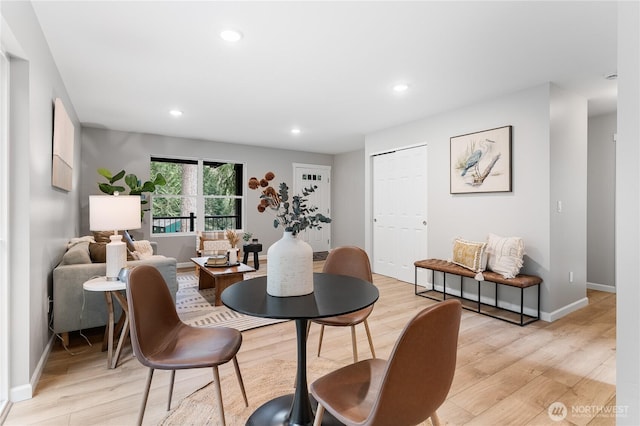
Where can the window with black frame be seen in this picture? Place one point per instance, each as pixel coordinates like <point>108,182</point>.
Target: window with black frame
<point>200,195</point>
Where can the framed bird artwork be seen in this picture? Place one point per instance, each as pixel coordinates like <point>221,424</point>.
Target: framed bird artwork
<point>481,161</point>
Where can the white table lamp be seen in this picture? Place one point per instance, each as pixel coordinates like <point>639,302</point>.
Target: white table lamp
<point>111,213</point>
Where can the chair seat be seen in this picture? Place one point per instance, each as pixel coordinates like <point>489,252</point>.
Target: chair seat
<point>350,392</point>
<point>346,320</point>
<point>195,347</point>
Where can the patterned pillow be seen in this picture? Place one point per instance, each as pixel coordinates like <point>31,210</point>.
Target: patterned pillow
<point>504,255</point>
<point>471,255</point>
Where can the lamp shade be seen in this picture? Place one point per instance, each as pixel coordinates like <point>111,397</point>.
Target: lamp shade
<point>114,212</point>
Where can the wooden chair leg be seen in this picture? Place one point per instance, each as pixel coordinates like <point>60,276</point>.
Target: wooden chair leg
<point>216,378</point>
<point>435,420</point>
<point>65,338</point>
<point>237,367</point>
<point>320,341</point>
<point>353,344</point>
<point>171,381</point>
<point>319,413</point>
<point>366,327</point>
<point>145,396</point>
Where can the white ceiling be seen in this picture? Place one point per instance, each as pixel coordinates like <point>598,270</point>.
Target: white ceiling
<point>325,67</point>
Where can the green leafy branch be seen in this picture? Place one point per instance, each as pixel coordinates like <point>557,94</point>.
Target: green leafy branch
<point>295,215</point>
<point>136,187</point>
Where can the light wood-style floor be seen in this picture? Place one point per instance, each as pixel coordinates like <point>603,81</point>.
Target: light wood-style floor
<point>506,374</point>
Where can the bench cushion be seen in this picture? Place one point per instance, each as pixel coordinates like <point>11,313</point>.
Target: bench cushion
<point>521,280</point>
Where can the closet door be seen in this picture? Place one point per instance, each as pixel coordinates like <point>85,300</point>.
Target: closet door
<point>399,212</point>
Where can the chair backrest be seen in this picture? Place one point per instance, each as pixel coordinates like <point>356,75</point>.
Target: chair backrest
<point>152,312</point>
<point>212,242</point>
<point>349,260</point>
<point>421,367</point>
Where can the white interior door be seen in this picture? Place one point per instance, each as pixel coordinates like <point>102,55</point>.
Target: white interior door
<point>304,176</point>
<point>384,214</point>
<point>400,212</point>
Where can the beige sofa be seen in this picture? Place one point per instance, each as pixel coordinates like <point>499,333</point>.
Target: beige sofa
<point>77,309</point>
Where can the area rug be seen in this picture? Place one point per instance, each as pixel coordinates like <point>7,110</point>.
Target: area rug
<point>197,307</point>
<point>262,382</point>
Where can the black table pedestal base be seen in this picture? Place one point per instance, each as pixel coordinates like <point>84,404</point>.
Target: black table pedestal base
<point>276,413</point>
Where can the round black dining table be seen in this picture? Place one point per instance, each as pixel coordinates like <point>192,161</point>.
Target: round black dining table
<point>332,295</point>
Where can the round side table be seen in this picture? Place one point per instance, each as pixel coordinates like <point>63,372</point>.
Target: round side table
<point>254,248</point>
<point>112,289</point>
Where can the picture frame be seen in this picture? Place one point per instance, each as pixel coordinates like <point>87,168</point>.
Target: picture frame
<point>481,161</point>
<point>63,139</point>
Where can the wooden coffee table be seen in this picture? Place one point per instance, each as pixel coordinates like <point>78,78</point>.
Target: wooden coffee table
<point>219,277</point>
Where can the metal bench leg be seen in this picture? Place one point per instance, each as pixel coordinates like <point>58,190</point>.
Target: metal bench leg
<point>521,306</point>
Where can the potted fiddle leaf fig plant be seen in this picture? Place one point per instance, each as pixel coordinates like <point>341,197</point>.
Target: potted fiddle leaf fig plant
<point>135,185</point>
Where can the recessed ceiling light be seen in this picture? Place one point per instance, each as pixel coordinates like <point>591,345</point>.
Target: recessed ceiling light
<point>613,76</point>
<point>400,87</point>
<point>231,35</point>
<point>295,131</point>
<point>175,112</point>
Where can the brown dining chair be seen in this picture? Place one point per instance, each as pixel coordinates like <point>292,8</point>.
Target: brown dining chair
<point>162,341</point>
<point>354,262</point>
<point>409,387</point>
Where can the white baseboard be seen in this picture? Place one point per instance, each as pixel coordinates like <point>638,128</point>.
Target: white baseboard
<point>601,287</point>
<point>565,310</point>
<point>23,392</point>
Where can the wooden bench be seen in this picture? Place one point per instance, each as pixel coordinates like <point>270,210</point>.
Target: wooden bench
<point>521,281</point>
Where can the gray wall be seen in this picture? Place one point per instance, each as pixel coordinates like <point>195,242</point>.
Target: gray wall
<point>568,185</point>
<point>601,183</point>
<point>347,202</point>
<point>41,217</point>
<point>527,210</point>
<point>116,150</point>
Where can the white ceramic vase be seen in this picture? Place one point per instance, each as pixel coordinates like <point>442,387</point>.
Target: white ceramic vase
<point>233,256</point>
<point>289,267</point>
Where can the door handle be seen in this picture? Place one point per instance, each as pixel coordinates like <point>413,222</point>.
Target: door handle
<point>424,222</point>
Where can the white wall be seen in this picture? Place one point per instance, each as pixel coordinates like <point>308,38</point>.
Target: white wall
<point>601,184</point>
<point>41,218</point>
<point>524,212</point>
<point>116,150</point>
<point>347,202</point>
<point>628,215</point>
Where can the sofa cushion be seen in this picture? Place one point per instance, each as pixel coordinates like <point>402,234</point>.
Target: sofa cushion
<point>78,253</point>
<point>98,250</point>
<point>143,250</point>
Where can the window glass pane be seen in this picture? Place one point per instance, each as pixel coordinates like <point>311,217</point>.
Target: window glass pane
<point>221,213</point>
<point>181,176</point>
<point>173,214</point>
<point>222,178</point>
